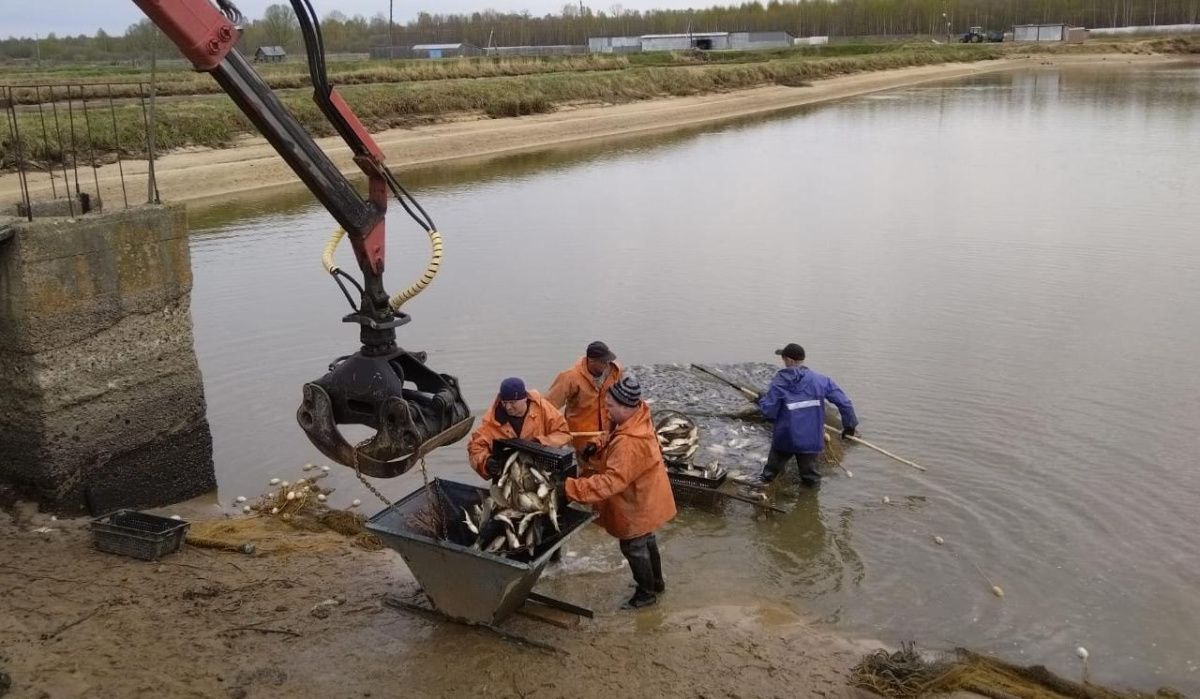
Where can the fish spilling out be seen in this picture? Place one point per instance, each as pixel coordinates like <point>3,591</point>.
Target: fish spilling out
<point>679,439</point>
<point>678,436</point>
<point>515,515</point>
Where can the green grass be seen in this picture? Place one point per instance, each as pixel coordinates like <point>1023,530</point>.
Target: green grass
<point>404,93</point>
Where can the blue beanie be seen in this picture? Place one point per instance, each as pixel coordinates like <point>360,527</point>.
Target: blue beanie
<point>512,389</point>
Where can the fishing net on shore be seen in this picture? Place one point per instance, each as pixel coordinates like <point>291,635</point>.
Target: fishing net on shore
<point>291,516</point>
<point>906,674</point>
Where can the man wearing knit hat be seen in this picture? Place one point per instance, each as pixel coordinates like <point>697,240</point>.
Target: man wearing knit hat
<point>579,392</point>
<point>629,488</point>
<point>515,413</point>
<point>795,402</point>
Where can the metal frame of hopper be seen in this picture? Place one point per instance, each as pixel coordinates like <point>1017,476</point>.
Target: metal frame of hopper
<point>462,583</point>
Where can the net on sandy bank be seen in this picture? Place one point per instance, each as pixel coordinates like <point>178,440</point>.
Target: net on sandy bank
<point>906,674</point>
<point>290,517</point>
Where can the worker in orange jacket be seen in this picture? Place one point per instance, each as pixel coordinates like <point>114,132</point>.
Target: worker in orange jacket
<point>629,488</point>
<point>516,412</point>
<point>579,392</point>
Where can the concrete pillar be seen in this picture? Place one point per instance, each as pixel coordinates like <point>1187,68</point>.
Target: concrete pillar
<point>101,401</point>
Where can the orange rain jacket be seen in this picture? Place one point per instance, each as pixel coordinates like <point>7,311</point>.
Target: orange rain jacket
<point>543,424</point>
<point>629,489</point>
<point>576,389</point>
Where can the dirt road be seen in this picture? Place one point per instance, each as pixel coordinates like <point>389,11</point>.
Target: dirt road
<point>206,176</point>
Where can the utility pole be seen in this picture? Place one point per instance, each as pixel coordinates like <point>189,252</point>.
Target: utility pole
<point>391,31</point>
<point>37,47</point>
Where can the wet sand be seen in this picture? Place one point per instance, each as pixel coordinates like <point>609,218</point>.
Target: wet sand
<point>81,623</point>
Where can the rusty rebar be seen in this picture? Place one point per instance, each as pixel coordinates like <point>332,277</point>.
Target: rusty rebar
<point>74,149</point>
<point>151,185</point>
<point>14,131</point>
<point>117,144</point>
<point>46,141</point>
<point>87,125</point>
<point>62,152</point>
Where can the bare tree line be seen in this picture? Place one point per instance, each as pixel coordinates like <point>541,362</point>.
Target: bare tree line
<point>577,21</point>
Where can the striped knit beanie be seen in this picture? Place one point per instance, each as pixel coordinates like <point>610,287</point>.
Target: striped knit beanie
<point>627,391</point>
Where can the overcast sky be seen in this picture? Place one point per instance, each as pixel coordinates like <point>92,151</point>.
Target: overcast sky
<point>26,18</point>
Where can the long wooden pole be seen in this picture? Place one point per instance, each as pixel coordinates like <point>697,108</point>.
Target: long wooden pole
<point>881,450</point>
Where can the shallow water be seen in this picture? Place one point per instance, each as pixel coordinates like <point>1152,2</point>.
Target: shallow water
<point>1002,272</point>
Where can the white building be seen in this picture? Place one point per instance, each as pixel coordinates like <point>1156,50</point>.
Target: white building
<point>703,41</point>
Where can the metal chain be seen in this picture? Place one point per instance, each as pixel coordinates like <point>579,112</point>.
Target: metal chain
<point>367,484</point>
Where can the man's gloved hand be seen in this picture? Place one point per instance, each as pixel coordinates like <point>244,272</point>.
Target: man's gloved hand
<point>589,450</point>
<point>493,468</point>
<point>847,432</point>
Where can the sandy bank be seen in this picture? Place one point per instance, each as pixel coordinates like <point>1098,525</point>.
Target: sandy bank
<point>80,623</point>
<point>213,176</point>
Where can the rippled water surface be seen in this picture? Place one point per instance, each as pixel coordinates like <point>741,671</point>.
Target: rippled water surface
<point>1002,272</point>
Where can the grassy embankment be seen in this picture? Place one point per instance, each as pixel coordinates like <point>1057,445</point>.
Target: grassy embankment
<point>387,94</point>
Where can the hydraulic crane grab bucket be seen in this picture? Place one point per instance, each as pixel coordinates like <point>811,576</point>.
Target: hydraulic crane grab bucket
<point>413,409</point>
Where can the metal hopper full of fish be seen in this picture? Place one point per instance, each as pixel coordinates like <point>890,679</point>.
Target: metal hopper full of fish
<point>514,517</point>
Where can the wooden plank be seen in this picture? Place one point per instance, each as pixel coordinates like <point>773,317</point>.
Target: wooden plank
<point>548,615</point>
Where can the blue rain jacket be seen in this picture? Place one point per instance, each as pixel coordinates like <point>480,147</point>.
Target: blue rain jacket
<point>795,402</point>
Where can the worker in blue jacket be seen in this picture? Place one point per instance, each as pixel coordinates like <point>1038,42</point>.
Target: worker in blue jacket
<point>795,402</point>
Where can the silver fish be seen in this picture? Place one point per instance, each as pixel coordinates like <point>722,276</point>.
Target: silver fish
<point>525,522</point>
<point>470,525</point>
<point>527,503</point>
<point>552,510</point>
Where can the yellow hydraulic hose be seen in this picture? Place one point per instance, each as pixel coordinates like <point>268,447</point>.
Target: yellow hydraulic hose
<point>431,270</point>
<point>327,255</point>
<point>399,299</point>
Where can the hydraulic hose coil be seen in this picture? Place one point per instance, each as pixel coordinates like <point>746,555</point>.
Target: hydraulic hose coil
<point>399,299</point>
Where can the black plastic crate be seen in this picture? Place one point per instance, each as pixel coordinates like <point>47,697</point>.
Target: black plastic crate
<point>677,476</point>
<point>560,460</point>
<point>137,534</point>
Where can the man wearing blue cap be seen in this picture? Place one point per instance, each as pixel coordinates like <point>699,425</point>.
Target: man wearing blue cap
<point>515,413</point>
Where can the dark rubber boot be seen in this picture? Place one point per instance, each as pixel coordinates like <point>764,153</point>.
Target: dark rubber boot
<point>637,552</point>
<point>660,586</point>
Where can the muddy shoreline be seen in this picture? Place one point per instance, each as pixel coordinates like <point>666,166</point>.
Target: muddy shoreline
<point>81,623</point>
<point>207,177</point>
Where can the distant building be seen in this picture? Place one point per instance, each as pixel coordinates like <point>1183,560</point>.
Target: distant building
<point>269,54</point>
<point>701,41</point>
<point>445,50</point>
<point>1049,33</point>
<point>810,40</point>
<point>549,50</point>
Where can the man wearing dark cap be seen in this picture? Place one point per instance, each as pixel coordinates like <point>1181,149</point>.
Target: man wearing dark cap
<point>515,413</point>
<point>628,488</point>
<point>795,402</point>
<point>579,392</point>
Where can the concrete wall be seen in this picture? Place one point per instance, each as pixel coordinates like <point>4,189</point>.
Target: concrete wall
<point>102,403</point>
